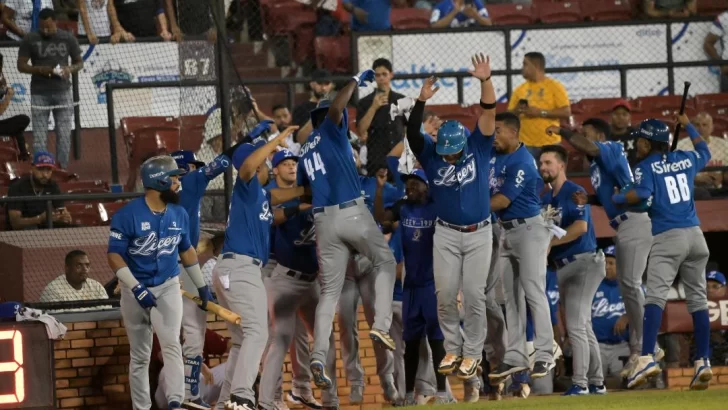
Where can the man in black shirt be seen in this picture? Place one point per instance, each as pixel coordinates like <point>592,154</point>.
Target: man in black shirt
<point>32,215</point>
<point>142,18</point>
<point>191,18</point>
<point>621,129</point>
<point>375,126</point>
<point>320,88</point>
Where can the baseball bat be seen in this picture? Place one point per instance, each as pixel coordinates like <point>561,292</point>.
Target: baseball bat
<point>675,137</point>
<point>215,308</point>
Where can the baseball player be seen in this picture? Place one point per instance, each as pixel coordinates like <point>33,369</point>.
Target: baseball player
<point>147,235</point>
<point>579,268</point>
<point>457,168</point>
<point>292,287</point>
<point>665,180</point>
<point>515,186</point>
<point>343,223</point>
<point>610,170</point>
<point>237,276</point>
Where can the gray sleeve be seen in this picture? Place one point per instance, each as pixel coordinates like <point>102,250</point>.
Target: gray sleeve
<point>74,48</point>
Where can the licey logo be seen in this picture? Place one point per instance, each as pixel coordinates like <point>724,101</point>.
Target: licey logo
<point>111,72</point>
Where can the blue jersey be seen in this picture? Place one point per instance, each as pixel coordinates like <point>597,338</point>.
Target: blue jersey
<point>193,189</point>
<point>377,15</point>
<point>327,164</point>
<point>460,191</point>
<point>149,242</point>
<point>610,170</point>
<point>444,8</point>
<point>249,222</point>
<point>294,241</point>
<point>417,223</point>
<point>670,180</point>
<point>390,193</point>
<point>607,308</point>
<point>516,176</point>
<point>568,213</point>
<point>395,244</point>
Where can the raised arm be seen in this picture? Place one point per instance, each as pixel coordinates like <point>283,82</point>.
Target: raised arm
<point>481,70</point>
<point>249,167</point>
<point>336,110</point>
<point>414,125</point>
<point>576,139</point>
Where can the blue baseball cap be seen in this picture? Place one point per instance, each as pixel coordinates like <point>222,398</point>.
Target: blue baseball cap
<point>416,173</point>
<point>283,155</point>
<point>716,276</point>
<point>43,159</point>
<point>242,153</point>
<point>610,251</point>
<point>8,310</point>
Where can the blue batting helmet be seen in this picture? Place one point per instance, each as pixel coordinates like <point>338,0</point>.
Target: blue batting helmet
<point>184,158</point>
<point>156,172</point>
<point>654,130</point>
<point>451,138</point>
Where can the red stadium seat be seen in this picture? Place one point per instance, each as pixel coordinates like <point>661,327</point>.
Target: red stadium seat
<point>711,7</point>
<point>276,19</point>
<point>608,10</point>
<point>81,186</point>
<point>192,130</point>
<point>662,102</point>
<point>18,169</point>
<point>511,13</point>
<point>147,143</point>
<point>8,142</point>
<point>8,154</point>
<point>333,54</point>
<point>566,12</point>
<point>83,214</point>
<point>4,179</point>
<point>302,35</point>
<point>711,101</point>
<point>409,18</point>
<point>597,105</point>
<point>108,209</point>
<point>129,125</point>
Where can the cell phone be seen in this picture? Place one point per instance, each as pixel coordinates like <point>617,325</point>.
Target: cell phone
<point>379,91</point>
<point>523,101</point>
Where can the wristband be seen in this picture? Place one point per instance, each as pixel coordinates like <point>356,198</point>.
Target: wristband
<point>196,275</point>
<point>126,277</point>
<point>291,211</point>
<point>487,106</point>
<point>482,81</point>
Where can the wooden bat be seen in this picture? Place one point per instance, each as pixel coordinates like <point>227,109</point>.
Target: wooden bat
<point>676,135</point>
<point>215,308</point>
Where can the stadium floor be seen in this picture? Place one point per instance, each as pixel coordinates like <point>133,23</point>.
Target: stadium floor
<point>622,400</point>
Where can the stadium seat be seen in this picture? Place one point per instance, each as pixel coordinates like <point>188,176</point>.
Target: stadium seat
<point>302,35</point>
<point>4,179</point>
<point>711,7</point>
<point>409,18</point>
<point>84,186</point>
<point>83,214</point>
<point>608,10</point>
<point>192,132</point>
<point>18,169</point>
<point>276,16</point>
<point>565,12</point>
<point>8,142</point>
<point>129,125</point>
<point>596,105</point>
<point>68,25</point>
<point>511,13</point>
<point>3,193</point>
<point>108,209</point>
<point>333,54</point>
<point>710,101</point>
<point>662,102</point>
<point>8,154</point>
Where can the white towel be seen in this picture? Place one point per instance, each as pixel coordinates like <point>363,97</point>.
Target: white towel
<point>55,329</point>
<point>403,106</point>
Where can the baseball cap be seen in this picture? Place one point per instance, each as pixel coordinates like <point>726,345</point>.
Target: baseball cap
<point>622,103</point>
<point>283,155</point>
<point>43,159</point>
<point>716,276</point>
<point>8,310</point>
<point>610,251</point>
<point>321,75</point>
<point>241,154</point>
<point>416,173</point>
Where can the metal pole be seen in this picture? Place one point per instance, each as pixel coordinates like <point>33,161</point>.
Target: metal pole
<point>49,214</point>
<point>224,94</point>
<point>76,118</point>
<point>112,133</point>
<point>670,68</point>
<point>623,83</point>
<point>509,80</point>
<point>461,92</point>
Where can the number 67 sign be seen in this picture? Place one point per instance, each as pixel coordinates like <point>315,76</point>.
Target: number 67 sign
<point>27,374</point>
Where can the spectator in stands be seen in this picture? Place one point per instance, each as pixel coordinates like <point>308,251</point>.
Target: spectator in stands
<point>98,18</point>
<point>49,50</point>
<point>375,126</point>
<point>321,87</point>
<point>718,151</point>
<point>622,130</point>
<point>716,284</point>
<point>32,215</point>
<point>143,18</point>
<point>540,102</point>
<point>74,284</point>
<point>661,9</point>
<point>21,17</point>
<point>282,118</point>
<point>371,15</point>
<point>718,31</point>
<point>459,13</point>
<point>15,125</point>
<point>191,18</point>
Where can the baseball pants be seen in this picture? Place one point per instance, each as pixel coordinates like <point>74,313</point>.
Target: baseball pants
<point>290,294</point>
<point>209,390</point>
<point>165,320</point>
<point>336,231</point>
<point>682,249</point>
<point>578,282</point>
<point>458,260</point>
<point>194,325</point>
<point>239,286</point>
<point>496,335</point>
<point>359,283</point>
<point>633,243</point>
<point>542,385</point>
<point>610,353</point>
<point>523,258</point>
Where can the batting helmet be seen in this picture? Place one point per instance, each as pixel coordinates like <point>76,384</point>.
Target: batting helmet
<point>156,172</point>
<point>184,158</point>
<point>451,138</point>
<point>654,130</point>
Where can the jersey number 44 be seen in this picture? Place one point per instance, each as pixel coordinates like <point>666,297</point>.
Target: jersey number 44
<point>313,165</point>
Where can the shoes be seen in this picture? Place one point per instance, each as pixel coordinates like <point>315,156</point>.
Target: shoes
<point>174,405</point>
<point>594,389</point>
<point>472,390</point>
<point>356,395</point>
<point>541,369</point>
<point>629,366</point>
<point>703,374</point>
<point>447,399</point>
<point>280,405</point>
<point>304,399</point>
<point>421,400</point>
<point>383,338</point>
<point>504,370</point>
<point>410,400</point>
<point>239,403</point>
<point>659,354</point>
<point>391,394</point>
<point>645,368</point>
<point>196,404</point>
<point>449,364</point>
<point>468,368</point>
<point>320,379</point>
<point>576,390</point>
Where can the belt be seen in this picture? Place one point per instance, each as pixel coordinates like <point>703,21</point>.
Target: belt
<point>464,228</point>
<point>512,223</point>
<point>614,223</point>
<point>306,277</point>
<point>343,205</point>
<point>231,255</point>
<point>560,263</point>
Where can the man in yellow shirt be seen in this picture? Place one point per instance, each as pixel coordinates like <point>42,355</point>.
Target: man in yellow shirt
<point>540,102</point>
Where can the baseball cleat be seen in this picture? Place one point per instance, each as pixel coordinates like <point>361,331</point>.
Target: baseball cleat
<point>468,368</point>
<point>504,370</point>
<point>320,379</point>
<point>541,369</point>
<point>645,368</point>
<point>390,393</point>
<point>447,399</point>
<point>629,366</point>
<point>449,364</point>
<point>356,395</point>
<point>519,386</point>
<point>279,404</point>
<point>305,399</point>
<point>383,338</point>
<point>196,404</point>
<point>496,392</point>
<point>409,400</point>
<point>576,390</point>
<point>659,353</point>
<point>239,403</point>
<point>174,405</point>
<point>421,400</point>
<point>703,375</point>
<point>597,389</point>
<point>472,391</point>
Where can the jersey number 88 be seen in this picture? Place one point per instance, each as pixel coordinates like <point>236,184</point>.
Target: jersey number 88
<point>678,188</point>
<point>314,165</point>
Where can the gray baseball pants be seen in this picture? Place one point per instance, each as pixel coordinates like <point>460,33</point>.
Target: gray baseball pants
<point>612,365</point>
<point>194,326</point>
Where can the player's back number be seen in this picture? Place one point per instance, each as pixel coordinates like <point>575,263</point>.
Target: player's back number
<point>678,189</point>
<point>314,165</point>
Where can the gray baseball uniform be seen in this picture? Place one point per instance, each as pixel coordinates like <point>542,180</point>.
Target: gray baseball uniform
<point>633,244</point>
<point>166,321</point>
<point>194,324</point>
<point>496,335</point>
<point>578,282</point>
<point>611,354</point>
<point>523,255</point>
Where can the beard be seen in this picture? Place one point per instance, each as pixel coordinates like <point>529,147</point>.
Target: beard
<point>169,197</point>
<point>319,95</point>
<point>547,179</point>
